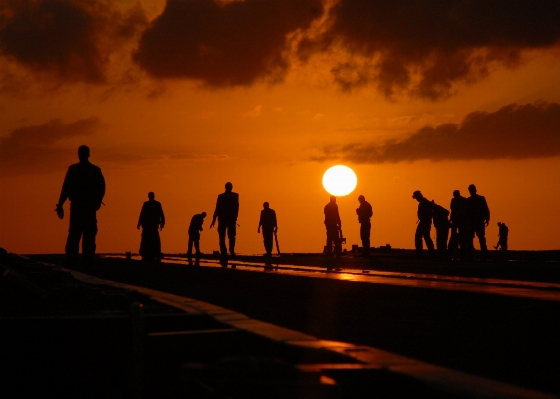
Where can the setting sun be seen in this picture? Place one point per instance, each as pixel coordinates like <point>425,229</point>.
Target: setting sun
<point>339,180</point>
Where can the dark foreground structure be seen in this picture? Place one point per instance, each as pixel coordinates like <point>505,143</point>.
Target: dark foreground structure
<point>132,329</point>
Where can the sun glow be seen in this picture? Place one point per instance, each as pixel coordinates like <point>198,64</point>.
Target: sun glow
<point>339,180</point>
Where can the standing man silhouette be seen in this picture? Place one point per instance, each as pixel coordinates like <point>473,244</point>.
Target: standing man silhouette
<point>84,186</point>
<point>478,217</point>
<point>151,220</point>
<point>227,210</point>
<point>269,226</point>
<point>333,226</point>
<point>458,225</point>
<point>424,224</point>
<point>194,236</point>
<point>364,212</point>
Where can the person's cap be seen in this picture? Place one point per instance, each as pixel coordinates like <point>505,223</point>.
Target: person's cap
<point>417,194</point>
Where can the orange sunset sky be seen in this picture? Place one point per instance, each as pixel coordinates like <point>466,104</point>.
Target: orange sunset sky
<point>180,96</point>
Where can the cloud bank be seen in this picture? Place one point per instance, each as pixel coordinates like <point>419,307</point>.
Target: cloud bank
<point>424,46</point>
<point>234,43</point>
<point>512,132</point>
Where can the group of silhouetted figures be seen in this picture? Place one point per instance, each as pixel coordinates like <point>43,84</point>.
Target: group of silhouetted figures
<point>84,186</point>
<point>468,218</point>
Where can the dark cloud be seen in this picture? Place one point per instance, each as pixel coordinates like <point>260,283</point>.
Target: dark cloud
<point>72,39</point>
<point>223,44</point>
<point>424,46</point>
<point>512,132</point>
<point>35,149</point>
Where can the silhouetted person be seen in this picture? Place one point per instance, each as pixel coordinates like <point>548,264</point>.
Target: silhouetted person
<point>151,220</point>
<point>424,224</point>
<point>503,233</point>
<point>84,186</point>
<point>478,217</point>
<point>269,226</point>
<point>364,212</point>
<point>333,226</point>
<point>458,225</point>
<point>227,210</point>
<point>442,225</point>
<point>194,236</point>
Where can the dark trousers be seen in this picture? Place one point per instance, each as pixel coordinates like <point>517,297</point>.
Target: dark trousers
<point>83,225</point>
<point>423,231</point>
<point>150,245</point>
<point>479,230</point>
<point>458,239</point>
<point>194,239</point>
<point>231,232</point>
<point>268,235</point>
<point>333,239</point>
<point>365,232</point>
<point>442,234</point>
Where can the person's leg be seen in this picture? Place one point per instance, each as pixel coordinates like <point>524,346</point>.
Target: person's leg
<point>480,233</point>
<point>429,243</point>
<point>418,240</point>
<point>232,232</point>
<point>189,249</point>
<point>268,235</point>
<point>222,236</point>
<point>72,248</point>
<point>89,233</point>
<point>196,242</point>
<point>365,232</point>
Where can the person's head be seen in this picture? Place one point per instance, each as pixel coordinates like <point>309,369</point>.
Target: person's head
<point>83,153</point>
<point>266,205</point>
<point>500,224</point>
<point>472,189</point>
<point>456,193</point>
<point>333,199</point>
<point>361,199</point>
<point>417,195</point>
<point>151,195</point>
<point>203,215</point>
<point>229,186</point>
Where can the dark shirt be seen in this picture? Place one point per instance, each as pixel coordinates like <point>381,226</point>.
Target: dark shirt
<point>458,210</point>
<point>331,214</point>
<point>365,212</point>
<point>477,209</point>
<point>151,215</point>
<point>268,219</point>
<point>503,232</point>
<point>425,210</point>
<point>227,207</point>
<point>84,186</point>
<point>440,215</point>
<point>196,224</point>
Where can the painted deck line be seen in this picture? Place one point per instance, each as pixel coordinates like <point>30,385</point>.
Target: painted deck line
<point>455,382</point>
<point>510,288</point>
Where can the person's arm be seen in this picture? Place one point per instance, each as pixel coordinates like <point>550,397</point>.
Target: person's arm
<point>140,217</point>
<point>64,192</point>
<point>275,222</point>
<point>102,188</point>
<point>162,217</point>
<point>487,210</point>
<point>215,212</point>
<point>260,223</point>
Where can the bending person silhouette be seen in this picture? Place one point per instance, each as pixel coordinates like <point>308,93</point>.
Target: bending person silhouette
<point>333,226</point>
<point>424,224</point>
<point>442,225</point>
<point>151,220</point>
<point>269,226</point>
<point>84,186</point>
<point>227,210</point>
<point>478,217</point>
<point>194,236</point>
<point>503,233</point>
<point>364,212</point>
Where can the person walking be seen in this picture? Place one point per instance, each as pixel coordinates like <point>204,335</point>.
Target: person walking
<point>194,237</point>
<point>424,224</point>
<point>478,217</point>
<point>458,226</point>
<point>333,225</point>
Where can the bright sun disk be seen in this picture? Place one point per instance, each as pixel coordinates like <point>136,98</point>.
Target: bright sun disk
<point>339,180</point>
